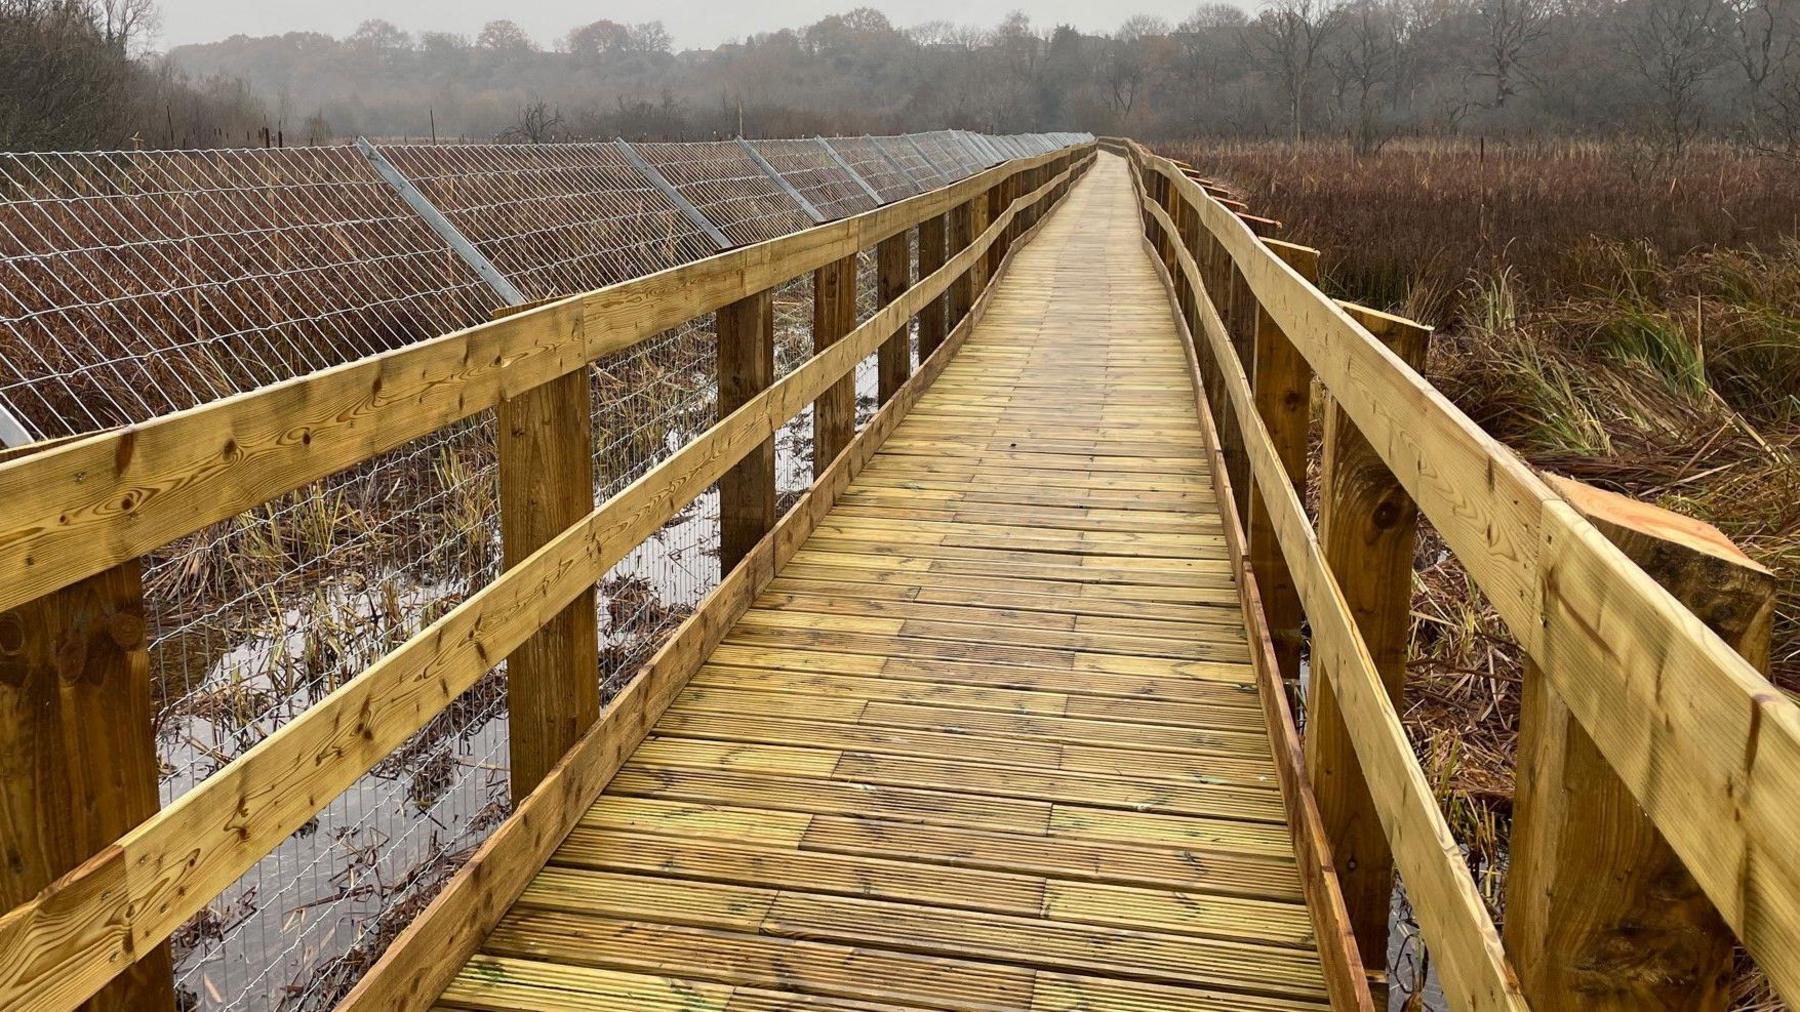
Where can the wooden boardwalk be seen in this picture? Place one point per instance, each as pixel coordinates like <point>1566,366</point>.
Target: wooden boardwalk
<point>992,718</point>
<point>989,741</point>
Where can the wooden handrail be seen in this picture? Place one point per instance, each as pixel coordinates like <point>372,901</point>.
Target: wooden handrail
<point>1707,746</point>
<point>63,946</point>
<point>1456,924</point>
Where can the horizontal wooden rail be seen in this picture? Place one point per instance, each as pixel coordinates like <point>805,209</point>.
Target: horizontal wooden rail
<point>1471,963</point>
<point>1709,748</point>
<point>79,508</point>
<point>63,946</point>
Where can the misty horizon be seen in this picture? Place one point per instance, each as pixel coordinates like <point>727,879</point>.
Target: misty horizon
<point>691,24</point>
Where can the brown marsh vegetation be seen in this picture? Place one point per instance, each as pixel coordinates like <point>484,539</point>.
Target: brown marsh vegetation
<point>1627,319</point>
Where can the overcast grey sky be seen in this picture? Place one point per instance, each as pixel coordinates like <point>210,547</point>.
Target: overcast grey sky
<point>692,22</point>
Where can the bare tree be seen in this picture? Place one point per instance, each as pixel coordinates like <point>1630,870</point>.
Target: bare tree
<point>126,24</point>
<point>537,124</point>
<point>1129,60</point>
<point>1362,66</point>
<point>1207,42</point>
<point>1291,33</point>
<point>505,38</point>
<point>1510,28</point>
<point>62,83</point>
<point>1779,131</point>
<point>1019,54</point>
<point>379,40</point>
<point>1764,38</point>
<point>598,38</point>
<point>1676,46</point>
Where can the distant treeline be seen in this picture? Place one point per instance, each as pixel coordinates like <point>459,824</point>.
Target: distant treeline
<point>73,75</point>
<point>1667,71</point>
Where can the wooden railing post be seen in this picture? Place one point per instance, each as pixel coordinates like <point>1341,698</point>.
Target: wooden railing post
<point>981,214</point>
<point>893,272</point>
<point>1149,183</point>
<point>1171,205</point>
<point>1191,231</point>
<point>78,766</point>
<point>1207,260</point>
<point>834,315</point>
<point>931,257</point>
<point>1172,239</point>
<point>1240,323</point>
<point>746,330</point>
<point>1236,293</point>
<point>987,211</point>
<point>1597,905</point>
<point>961,233</point>
<point>1367,529</point>
<point>1282,382</point>
<point>546,485</point>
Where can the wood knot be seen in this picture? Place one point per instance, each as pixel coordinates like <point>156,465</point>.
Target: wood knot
<point>1386,515</point>
<point>126,630</point>
<point>12,633</point>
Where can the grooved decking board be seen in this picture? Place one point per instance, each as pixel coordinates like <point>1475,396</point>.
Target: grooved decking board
<point>990,741</point>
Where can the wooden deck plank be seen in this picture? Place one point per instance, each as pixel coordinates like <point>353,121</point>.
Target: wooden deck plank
<point>990,740</point>
<point>819,969</point>
<point>1224,715</point>
<point>733,863</point>
<point>1142,955</point>
<point>1173,868</point>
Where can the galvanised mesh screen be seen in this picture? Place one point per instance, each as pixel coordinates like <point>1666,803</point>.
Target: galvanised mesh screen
<point>912,160</point>
<point>133,284</point>
<point>727,185</point>
<point>556,219</point>
<point>811,171</point>
<point>864,155</point>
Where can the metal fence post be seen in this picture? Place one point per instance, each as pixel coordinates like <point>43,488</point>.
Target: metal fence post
<point>899,170</point>
<point>849,171</point>
<point>796,196</point>
<point>661,182</point>
<point>425,209</point>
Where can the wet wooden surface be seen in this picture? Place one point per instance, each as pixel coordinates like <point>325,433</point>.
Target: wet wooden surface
<point>990,741</point>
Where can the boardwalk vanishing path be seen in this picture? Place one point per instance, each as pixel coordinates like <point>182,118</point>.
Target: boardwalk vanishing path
<point>990,740</point>
<point>996,716</point>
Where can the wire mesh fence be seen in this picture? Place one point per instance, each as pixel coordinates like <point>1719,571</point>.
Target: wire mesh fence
<point>259,617</point>
<point>648,401</point>
<point>865,158</point>
<point>135,284</point>
<point>554,218</point>
<point>816,176</point>
<point>945,150</point>
<point>725,183</point>
<point>907,154</point>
